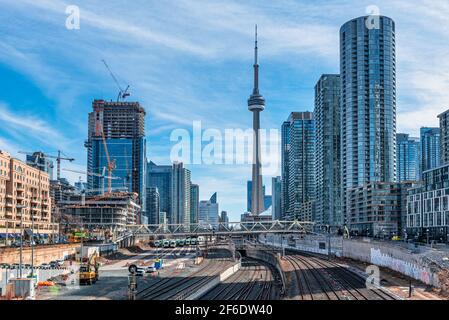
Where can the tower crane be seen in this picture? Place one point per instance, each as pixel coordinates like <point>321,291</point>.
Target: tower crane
<point>111,164</point>
<point>58,159</point>
<point>100,175</point>
<point>123,94</point>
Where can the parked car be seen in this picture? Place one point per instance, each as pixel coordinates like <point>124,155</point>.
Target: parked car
<point>4,266</point>
<point>44,266</point>
<point>15,266</point>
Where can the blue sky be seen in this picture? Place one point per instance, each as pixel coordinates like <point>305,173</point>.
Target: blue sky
<point>192,61</point>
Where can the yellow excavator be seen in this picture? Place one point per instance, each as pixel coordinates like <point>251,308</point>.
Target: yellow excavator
<point>89,270</point>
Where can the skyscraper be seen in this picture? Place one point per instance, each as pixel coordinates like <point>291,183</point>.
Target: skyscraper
<point>256,104</point>
<point>407,151</point>
<point>430,149</point>
<point>208,212</point>
<point>194,203</point>
<point>276,194</point>
<point>180,194</point>
<point>39,161</point>
<point>160,177</point>
<point>298,165</point>
<point>224,218</point>
<point>368,102</point>
<point>327,153</point>
<point>121,127</point>
<point>444,137</point>
<point>153,205</point>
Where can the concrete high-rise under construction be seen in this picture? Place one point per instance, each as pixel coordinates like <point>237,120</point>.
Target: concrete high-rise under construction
<point>256,104</point>
<point>116,138</point>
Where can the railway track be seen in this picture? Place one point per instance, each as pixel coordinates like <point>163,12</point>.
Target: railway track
<point>254,281</point>
<point>174,288</point>
<point>320,279</point>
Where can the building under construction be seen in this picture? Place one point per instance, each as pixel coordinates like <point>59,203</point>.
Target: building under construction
<point>111,211</point>
<point>116,142</point>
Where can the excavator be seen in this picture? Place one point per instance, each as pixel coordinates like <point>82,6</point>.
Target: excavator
<point>88,273</point>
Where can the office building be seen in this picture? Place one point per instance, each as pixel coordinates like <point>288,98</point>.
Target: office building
<point>120,126</point>
<point>24,197</point>
<point>180,194</point>
<point>430,149</point>
<point>298,165</point>
<point>276,194</point>
<point>208,212</point>
<point>328,153</point>
<point>153,205</point>
<point>224,219</point>
<point>160,177</point>
<point>267,200</point>
<point>408,157</point>
<point>194,203</point>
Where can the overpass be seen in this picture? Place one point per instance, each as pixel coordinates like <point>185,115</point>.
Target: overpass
<point>225,229</point>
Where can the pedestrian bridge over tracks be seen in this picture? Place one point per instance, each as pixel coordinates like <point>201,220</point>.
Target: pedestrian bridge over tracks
<point>222,229</point>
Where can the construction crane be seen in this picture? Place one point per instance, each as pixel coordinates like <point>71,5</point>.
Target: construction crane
<point>58,159</point>
<point>111,164</point>
<point>122,93</point>
<point>100,175</point>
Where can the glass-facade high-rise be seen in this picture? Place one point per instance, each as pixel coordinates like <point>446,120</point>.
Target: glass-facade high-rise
<point>180,194</point>
<point>194,203</point>
<point>160,177</point>
<point>121,126</point>
<point>368,102</point>
<point>208,212</point>
<point>153,205</point>
<point>298,165</point>
<point>276,194</point>
<point>430,149</point>
<point>327,153</point>
<point>408,149</point>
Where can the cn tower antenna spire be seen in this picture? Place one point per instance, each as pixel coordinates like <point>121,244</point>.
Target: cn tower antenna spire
<point>256,66</point>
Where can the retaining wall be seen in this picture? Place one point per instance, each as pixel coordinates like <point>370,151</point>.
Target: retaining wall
<point>269,257</point>
<point>423,264</point>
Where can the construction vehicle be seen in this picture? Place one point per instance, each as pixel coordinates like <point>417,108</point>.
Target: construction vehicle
<point>88,273</point>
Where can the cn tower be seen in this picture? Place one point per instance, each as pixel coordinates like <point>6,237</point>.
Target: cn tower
<point>256,104</point>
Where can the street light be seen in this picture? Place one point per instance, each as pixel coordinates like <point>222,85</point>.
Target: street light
<point>20,206</point>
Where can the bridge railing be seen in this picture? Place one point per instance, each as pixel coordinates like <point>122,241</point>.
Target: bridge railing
<point>255,227</point>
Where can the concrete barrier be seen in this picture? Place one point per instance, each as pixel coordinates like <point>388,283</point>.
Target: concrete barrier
<point>214,282</point>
